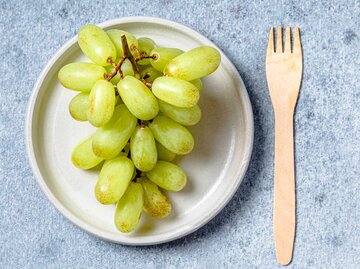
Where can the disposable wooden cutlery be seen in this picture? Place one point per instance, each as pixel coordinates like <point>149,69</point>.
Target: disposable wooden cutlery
<point>283,74</point>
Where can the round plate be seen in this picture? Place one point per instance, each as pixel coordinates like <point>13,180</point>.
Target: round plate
<point>215,168</point>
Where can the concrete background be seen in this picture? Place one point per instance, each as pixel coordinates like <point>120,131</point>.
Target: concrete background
<point>34,235</point>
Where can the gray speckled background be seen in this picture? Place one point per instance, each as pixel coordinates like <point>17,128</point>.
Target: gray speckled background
<point>34,235</point>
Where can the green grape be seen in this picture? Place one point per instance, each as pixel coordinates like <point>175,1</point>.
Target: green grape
<point>138,98</point>
<point>143,148</point>
<point>156,203</point>
<point>114,178</point>
<point>129,208</point>
<point>185,116</point>
<point>101,103</point>
<point>168,176</point>
<point>115,36</point>
<point>145,45</point>
<point>151,74</point>
<point>110,69</point>
<point>118,100</point>
<point>172,135</point>
<point>83,156</point>
<point>164,154</point>
<point>109,140</point>
<point>193,64</point>
<point>126,68</point>
<point>126,149</point>
<point>78,106</point>
<point>143,67</point>
<point>96,44</point>
<point>176,91</point>
<point>80,76</point>
<point>134,175</point>
<point>198,84</point>
<point>163,56</point>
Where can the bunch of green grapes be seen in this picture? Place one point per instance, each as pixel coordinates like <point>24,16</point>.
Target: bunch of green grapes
<point>141,97</point>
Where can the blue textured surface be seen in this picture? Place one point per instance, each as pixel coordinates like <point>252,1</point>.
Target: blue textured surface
<point>34,235</point>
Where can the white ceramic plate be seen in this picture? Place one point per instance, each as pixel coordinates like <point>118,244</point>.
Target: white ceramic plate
<point>215,168</point>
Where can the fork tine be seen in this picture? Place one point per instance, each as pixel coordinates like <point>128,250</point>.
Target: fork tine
<point>279,48</point>
<point>271,42</point>
<point>287,41</point>
<point>297,41</point>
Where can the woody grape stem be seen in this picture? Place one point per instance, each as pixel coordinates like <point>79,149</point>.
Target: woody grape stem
<point>129,56</point>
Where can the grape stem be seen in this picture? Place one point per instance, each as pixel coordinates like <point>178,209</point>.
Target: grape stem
<point>147,83</point>
<point>147,75</point>
<point>118,66</point>
<point>141,55</point>
<point>144,56</point>
<point>129,56</point>
<point>133,61</point>
<point>138,52</point>
<point>108,77</point>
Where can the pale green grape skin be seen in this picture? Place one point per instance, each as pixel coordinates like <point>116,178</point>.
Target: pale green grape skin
<point>185,116</point>
<point>78,106</point>
<point>168,176</point>
<point>80,76</point>
<point>96,44</point>
<point>172,135</point>
<point>129,208</point>
<point>151,73</point>
<point>115,36</point>
<point>126,149</point>
<point>163,57</point>
<point>198,84</point>
<point>83,156</point>
<point>114,178</point>
<point>156,204</point>
<point>164,154</point>
<point>109,140</point>
<point>134,175</point>
<point>146,45</point>
<point>138,98</point>
<point>118,100</point>
<point>176,91</point>
<point>126,68</point>
<point>110,69</point>
<point>193,64</point>
<point>101,103</point>
<point>143,149</point>
<point>143,67</point>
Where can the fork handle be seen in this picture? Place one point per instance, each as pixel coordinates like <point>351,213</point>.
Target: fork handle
<point>284,187</point>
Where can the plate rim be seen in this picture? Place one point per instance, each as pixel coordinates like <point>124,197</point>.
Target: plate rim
<point>78,221</point>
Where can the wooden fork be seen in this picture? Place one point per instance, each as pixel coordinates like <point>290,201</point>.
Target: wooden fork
<point>283,74</point>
